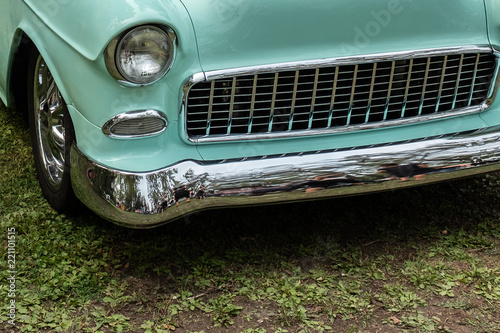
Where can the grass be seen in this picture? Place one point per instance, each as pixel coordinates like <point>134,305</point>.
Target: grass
<point>416,260</point>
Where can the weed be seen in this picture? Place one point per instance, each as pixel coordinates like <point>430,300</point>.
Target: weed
<point>419,260</point>
<point>222,309</point>
<point>397,298</point>
<point>420,321</point>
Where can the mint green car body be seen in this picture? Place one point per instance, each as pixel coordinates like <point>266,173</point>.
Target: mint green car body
<point>218,35</point>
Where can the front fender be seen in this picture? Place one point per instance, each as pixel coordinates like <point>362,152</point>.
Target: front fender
<point>89,25</point>
<point>76,61</point>
<point>80,33</point>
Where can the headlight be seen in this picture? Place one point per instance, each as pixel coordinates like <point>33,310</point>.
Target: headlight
<point>142,55</point>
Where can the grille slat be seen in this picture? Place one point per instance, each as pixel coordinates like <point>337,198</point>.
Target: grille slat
<point>338,96</point>
<point>457,85</point>
<point>474,77</point>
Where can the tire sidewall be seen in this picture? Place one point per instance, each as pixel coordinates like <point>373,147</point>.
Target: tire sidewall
<point>62,196</point>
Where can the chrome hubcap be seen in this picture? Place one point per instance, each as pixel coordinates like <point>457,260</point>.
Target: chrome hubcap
<point>49,124</point>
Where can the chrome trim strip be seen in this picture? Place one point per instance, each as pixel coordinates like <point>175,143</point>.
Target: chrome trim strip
<point>350,128</point>
<point>210,107</point>
<point>252,103</point>
<point>273,102</point>
<point>334,90</point>
<point>457,86</point>
<point>424,88</point>
<point>353,90</point>
<point>294,99</point>
<point>134,115</point>
<point>370,95</point>
<point>443,74</point>
<point>356,60</point>
<point>407,89</point>
<point>474,80</point>
<point>494,87</point>
<point>313,99</point>
<point>231,106</point>
<point>389,91</point>
<point>189,186</point>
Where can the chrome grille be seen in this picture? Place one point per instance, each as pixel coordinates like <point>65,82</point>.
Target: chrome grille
<point>338,96</point>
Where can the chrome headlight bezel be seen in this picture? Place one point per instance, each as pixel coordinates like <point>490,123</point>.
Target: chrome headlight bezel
<point>112,55</point>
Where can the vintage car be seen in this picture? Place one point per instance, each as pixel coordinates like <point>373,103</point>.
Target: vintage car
<point>149,110</point>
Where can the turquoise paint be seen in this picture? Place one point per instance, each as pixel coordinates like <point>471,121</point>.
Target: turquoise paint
<point>8,43</point>
<point>493,13</point>
<point>230,34</point>
<point>246,33</point>
<point>88,85</point>
<point>89,25</point>
<point>135,155</point>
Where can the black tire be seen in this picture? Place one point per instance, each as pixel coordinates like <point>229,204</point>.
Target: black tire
<point>52,134</point>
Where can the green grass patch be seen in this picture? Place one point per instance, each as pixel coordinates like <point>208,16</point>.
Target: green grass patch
<point>416,260</point>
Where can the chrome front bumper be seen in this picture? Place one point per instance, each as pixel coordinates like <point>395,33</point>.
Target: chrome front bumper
<point>144,200</point>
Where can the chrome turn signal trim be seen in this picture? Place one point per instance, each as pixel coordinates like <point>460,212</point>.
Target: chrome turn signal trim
<point>135,124</point>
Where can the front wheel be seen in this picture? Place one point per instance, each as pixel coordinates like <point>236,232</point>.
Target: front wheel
<point>51,134</point>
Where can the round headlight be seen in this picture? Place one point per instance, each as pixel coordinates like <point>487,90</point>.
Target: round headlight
<point>145,54</point>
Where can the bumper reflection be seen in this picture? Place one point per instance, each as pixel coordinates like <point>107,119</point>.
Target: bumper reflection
<point>148,199</point>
